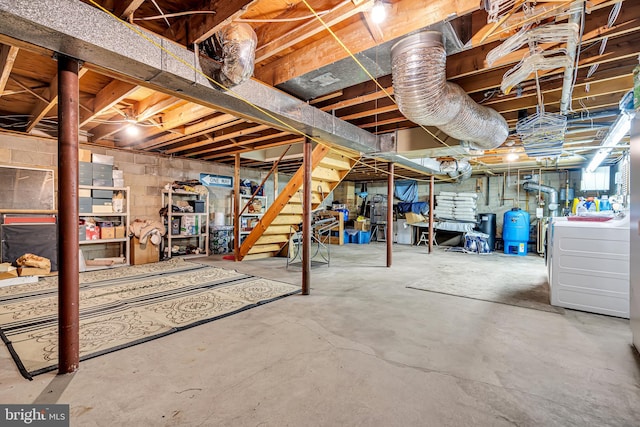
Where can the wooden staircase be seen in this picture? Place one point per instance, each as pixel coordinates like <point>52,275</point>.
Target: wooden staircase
<point>272,233</point>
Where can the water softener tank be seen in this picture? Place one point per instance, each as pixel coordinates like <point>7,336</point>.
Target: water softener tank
<point>515,231</point>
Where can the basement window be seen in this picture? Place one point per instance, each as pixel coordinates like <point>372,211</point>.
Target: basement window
<point>597,180</point>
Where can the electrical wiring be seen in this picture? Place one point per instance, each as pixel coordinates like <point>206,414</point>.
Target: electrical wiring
<point>366,71</point>
<point>174,15</point>
<point>229,90</point>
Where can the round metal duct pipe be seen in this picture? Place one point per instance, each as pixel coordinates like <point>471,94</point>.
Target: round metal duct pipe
<point>425,97</point>
<point>234,47</point>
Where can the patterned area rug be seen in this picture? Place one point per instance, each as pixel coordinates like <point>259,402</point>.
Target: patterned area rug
<point>126,306</point>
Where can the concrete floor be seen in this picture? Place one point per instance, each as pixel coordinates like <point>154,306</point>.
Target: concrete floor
<point>361,350</point>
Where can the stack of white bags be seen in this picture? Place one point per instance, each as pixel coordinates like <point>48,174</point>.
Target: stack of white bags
<point>456,206</point>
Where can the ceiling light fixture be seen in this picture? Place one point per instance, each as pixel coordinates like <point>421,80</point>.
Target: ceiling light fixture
<point>132,130</point>
<point>378,12</point>
<point>617,131</point>
<point>512,157</point>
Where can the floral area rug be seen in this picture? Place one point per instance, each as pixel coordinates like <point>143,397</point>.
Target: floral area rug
<point>126,306</point>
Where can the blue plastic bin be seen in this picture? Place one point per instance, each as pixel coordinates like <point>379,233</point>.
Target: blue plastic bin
<point>361,237</point>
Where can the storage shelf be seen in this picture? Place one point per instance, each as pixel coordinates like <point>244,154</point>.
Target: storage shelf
<point>96,187</point>
<point>82,214</point>
<point>186,236</point>
<point>169,197</point>
<point>122,242</point>
<point>88,242</point>
<point>187,213</point>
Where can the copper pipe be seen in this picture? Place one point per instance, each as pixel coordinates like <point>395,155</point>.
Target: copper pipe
<point>390,214</point>
<point>306,219</point>
<point>68,236</point>
<point>236,207</point>
<point>431,204</point>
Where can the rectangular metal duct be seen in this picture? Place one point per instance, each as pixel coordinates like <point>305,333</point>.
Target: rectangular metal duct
<point>81,31</point>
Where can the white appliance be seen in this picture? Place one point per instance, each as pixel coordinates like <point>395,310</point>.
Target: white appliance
<point>588,265</point>
<point>634,230</point>
<point>402,232</point>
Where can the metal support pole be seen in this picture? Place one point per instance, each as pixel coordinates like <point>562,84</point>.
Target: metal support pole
<point>431,207</point>
<point>236,207</point>
<point>390,214</point>
<point>306,219</point>
<point>68,243</point>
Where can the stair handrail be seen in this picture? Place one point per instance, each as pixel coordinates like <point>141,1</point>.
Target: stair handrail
<point>273,168</point>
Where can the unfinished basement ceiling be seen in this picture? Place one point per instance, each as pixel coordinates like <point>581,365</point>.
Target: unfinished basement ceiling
<point>296,54</point>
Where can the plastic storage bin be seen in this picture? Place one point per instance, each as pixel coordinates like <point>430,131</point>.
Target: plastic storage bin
<point>361,237</point>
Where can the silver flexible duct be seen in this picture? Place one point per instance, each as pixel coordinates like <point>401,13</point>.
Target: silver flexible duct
<point>425,97</point>
<point>460,169</point>
<point>235,47</point>
<point>553,195</point>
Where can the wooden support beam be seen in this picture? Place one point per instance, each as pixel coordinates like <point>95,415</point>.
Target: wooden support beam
<point>7,58</point>
<point>153,105</point>
<point>286,36</point>
<point>202,26</point>
<point>408,16</point>
<point>106,98</point>
<point>224,137</point>
<point>180,117</point>
<point>43,107</point>
<point>126,8</point>
<point>374,28</point>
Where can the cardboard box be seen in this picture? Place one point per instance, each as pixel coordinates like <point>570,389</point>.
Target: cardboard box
<point>7,271</point>
<point>84,192</point>
<point>107,232</point>
<point>84,155</point>
<point>117,174</point>
<point>119,231</point>
<point>101,158</point>
<point>144,254</point>
<point>363,225</point>
<point>33,271</point>
<point>413,218</point>
<point>98,209</point>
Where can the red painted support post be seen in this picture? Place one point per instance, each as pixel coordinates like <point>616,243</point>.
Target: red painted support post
<point>68,243</point>
<point>431,207</point>
<point>306,219</point>
<point>390,214</point>
<point>236,207</point>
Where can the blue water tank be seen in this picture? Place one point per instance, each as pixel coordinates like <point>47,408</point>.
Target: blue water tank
<point>515,231</point>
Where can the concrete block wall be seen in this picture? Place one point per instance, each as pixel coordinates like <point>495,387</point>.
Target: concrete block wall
<point>145,174</point>
<point>493,201</point>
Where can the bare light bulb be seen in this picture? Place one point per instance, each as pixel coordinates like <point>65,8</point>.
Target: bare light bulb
<point>132,130</point>
<point>378,12</point>
<point>512,157</point>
